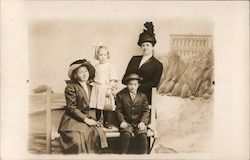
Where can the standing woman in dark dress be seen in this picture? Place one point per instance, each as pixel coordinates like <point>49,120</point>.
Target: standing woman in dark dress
<point>146,65</point>
<point>79,131</point>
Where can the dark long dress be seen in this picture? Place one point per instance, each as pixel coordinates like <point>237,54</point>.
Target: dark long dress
<point>75,135</point>
<point>150,71</point>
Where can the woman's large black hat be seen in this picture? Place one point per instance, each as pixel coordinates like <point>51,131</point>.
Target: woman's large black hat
<point>147,35</point>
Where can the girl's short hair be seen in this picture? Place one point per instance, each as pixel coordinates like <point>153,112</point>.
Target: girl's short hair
<point>97,50</point>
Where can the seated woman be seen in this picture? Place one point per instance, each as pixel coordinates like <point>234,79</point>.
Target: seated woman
<point>79,131</point>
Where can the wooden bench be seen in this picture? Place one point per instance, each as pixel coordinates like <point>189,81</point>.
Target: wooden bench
<point>52,132</point>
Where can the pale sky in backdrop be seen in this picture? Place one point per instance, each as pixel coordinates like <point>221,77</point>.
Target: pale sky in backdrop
<point>54,44</point>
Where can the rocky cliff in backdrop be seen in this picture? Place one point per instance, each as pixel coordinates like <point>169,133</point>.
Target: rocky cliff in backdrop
<point>190,78</point>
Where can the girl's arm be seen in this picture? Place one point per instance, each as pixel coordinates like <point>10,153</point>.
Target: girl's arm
<point>113,84</point>
<point>113,74</point>
<point>113,77</point>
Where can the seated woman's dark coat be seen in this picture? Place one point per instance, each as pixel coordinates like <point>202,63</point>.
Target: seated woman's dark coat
<point>77,108</point>
<point>76,135</point>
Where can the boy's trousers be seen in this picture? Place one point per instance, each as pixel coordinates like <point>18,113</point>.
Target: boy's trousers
<point>140,139</point>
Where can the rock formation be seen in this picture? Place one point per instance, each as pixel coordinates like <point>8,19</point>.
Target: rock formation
<point>194,77</point>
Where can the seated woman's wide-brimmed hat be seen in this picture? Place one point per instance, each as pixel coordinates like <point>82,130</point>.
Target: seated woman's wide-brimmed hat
<point>133,76</point>
<point>147,35</point>
<point>78,63</point>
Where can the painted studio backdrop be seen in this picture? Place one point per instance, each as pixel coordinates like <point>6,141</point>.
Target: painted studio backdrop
<point>184,99</point>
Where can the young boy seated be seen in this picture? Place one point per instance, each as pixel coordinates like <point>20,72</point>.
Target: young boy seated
<point>133,114</point>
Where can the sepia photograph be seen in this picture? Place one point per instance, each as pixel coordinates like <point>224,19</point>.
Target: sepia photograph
<point>138,79</point>
<point>178,83</point>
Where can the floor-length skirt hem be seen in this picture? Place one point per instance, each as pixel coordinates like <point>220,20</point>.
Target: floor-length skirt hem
<point>74,142</point>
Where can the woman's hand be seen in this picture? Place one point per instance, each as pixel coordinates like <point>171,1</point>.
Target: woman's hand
<point>142,126</point>
<point>123,125</point>
<point>90,122</point>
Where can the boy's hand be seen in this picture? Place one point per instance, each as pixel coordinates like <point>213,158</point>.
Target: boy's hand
<point>123,125</point>
<point>90,122</point>
<point>142,126</point>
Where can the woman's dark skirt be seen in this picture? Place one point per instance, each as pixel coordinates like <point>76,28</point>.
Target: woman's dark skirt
<point>74,142</point>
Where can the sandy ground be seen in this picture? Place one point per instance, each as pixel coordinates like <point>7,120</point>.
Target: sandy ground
<point>183,125</point>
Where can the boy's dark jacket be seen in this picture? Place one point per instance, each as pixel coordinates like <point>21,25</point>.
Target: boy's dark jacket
<point>132,111</point>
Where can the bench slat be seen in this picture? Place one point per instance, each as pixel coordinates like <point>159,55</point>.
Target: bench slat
<point>110,133</point>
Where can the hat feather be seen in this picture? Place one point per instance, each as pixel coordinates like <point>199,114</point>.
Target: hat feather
<point>149,26</point>
<point>148,34</point>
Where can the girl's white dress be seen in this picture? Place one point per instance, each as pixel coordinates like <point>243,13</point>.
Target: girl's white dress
<point>103,74</point>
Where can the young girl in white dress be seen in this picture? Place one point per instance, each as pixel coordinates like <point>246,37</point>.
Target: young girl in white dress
<point>102,95</point>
